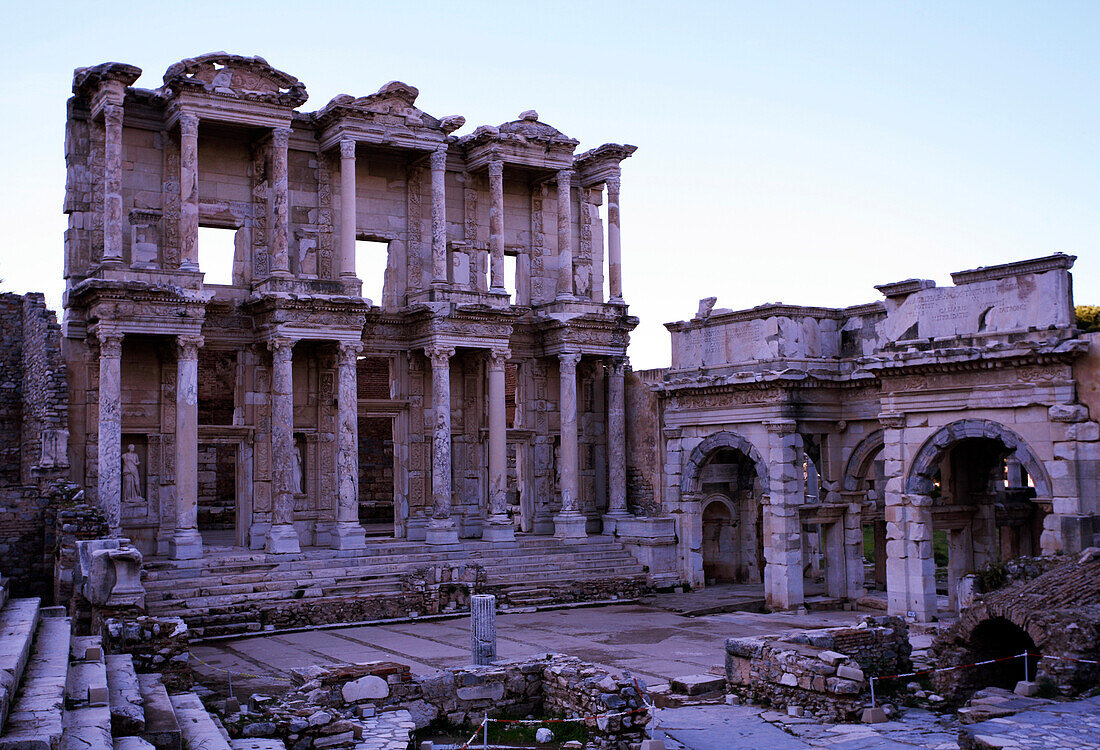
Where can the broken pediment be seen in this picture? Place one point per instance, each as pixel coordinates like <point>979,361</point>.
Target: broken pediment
<point>394,103</point>
<point>87,81</point>
<point>531,128</point>
<point>222,74</point>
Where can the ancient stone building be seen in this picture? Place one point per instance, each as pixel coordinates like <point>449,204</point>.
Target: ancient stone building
<point>958,417</point>
<point>278,408</point>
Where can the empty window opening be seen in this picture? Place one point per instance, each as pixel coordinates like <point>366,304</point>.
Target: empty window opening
<point>511,264</point>
<point>217,386</point>
<point>511,387</point>
<point>371,259</point>
<point>216,247</point>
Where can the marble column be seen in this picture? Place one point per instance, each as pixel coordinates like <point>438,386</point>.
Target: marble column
<point>499,528</point>
<point>570,522</point>
<point>483,629</point>
<point>614,248</point>
<point>282,536</point>
<point>439,215</point>
<point>348,204</point>
<point>565,234</point>
<point>110,430</point>
<point>112,184</point>
<point>280,203</point>
<point>616,445</point>
<point>349,533</point>
<point>496,225</point>
<point>441,528</point>
<point>783,538</point>
<point>186,543</point>
<point>189,192</point>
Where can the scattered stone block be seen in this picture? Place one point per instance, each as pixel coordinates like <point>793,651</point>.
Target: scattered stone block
<point>1027,689</point>
<point>697,684</point>
<point>874,715</point>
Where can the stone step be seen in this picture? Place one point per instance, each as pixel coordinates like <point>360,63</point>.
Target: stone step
<point>87,685</point>
<point>127,706</point>
<point>257,743</point>
<point>87,728</point>
<point>161,728</point>
<point>35,720</point>
<point>198,728</point>
<point>132,743</point>
<point>18,622</point>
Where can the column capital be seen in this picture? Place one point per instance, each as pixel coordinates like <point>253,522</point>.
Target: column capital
<point>187,347</point>
<point>110,344</point>
<point>112,115</point>
<point>613,183</point>
<point>619,365</point>
<point>347,148</point>
<point>439,158</point>
<point>439,355</point>
<point>498,358</point>
<point>280,137</point>
<point>565,175</point>
<point>281,348</point>
<point>569,360</point>
<point>496,167</point>
<point>189,124</point>
<point>350,349</point>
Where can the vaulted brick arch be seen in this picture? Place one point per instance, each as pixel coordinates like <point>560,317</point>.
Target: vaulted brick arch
<point>690,478</point>
<point>922,471</point>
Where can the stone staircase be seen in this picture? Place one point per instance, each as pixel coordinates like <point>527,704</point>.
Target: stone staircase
<point>231,592</point>
<point>59,692</point>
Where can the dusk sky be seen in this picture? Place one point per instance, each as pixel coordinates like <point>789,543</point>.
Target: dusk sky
<point>795,152</point>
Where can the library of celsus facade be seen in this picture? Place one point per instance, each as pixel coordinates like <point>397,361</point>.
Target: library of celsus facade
<point>279,409</point>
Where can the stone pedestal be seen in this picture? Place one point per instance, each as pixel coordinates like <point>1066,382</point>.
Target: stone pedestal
<point>441,531</point>
<point>185,544</point>
<point>282,538</point>
<point>349,535</point>
<point>483,629</point>
<point>570,525</point>
<point>498,529</point>
<point>611,520</point>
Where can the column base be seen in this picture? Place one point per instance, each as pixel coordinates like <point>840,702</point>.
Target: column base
<point>611,520</point>
<point>349,535</point>
<point>282,538</point>
<point>570,525</point>
<point>498,529</point>
<point>441,531</point>
<point>186,544</point>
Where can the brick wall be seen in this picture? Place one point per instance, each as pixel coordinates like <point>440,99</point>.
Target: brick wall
<point>33,402</point>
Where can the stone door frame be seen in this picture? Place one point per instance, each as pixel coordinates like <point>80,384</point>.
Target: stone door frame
<point>242,439</point>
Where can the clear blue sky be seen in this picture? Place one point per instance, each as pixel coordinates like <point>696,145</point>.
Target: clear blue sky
<point>795,152</point>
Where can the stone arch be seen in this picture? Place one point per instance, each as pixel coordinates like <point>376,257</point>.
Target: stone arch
<point>690,483</point>
<point>860,459</point>
<point>919,479</point>
<point>720,499</point>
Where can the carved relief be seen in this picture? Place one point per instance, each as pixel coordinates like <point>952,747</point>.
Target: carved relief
<point>414,227</point>
<point>326,236</point>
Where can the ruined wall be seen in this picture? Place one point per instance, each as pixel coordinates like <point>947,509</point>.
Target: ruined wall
<point>33,436</point>
<point>643,430</point>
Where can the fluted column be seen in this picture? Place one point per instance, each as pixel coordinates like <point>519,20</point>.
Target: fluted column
<point>616,445</point>
<point>439,215</point>
<point>349,532</point>
<point>189,192</point>
<point>570,523</point>
<point>499,527</point>
<point>614,248</point>
<point>496,225</point>
<point>441,529</point>
<point>112,184</point>
<point>348,204</point>
<point>565,234</point>
<point>282,536</point>
<point>186,543</point>
<point>280,203</point>
<point>110,430</point>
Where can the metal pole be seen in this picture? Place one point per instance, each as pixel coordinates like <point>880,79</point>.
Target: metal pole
<point>873,692</point>
<point>1025,666</point>
<point>486,725</point>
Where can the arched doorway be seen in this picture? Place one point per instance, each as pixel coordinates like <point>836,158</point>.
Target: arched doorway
<point>726,474</point>
<point>983,480</point>
<point>865,472</point>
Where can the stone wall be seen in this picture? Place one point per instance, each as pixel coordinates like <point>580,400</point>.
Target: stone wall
<point>643,427</point>
<point>820,672</point>
<point>327,709</point>
<point>33,436</point>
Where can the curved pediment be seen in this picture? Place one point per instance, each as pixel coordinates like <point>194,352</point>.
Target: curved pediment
<point>394,103</point>
<point>234,76</point>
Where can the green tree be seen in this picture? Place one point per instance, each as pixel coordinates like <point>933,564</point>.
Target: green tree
<point>1088,318</point>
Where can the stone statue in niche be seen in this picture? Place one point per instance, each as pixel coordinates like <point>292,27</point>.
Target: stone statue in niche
<point>296,483</point>
<point>131,476</point>
<point>307,256</point>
